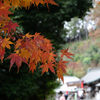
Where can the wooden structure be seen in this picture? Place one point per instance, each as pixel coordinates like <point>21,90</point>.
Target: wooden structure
<point>91,79</point>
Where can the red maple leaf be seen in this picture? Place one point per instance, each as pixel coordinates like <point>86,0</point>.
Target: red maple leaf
<point>62,65</point>
<point>66,53</point>
<point>47,66</point>
<point>4,10</point>
<point>2,51</point>
<point>15,58</point>
<point>10,25</point>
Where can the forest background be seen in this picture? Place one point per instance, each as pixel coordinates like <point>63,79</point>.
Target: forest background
<point>50,23</point>
<point>86,46</point>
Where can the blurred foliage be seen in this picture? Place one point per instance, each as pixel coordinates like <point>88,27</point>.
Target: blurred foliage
<point>70,72</point>
<point>76,29</point>
<point>87,61</point>
<point>87,55</point>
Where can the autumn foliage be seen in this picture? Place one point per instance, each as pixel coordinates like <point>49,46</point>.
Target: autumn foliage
<point>30,49</point>
<point>95,16</point>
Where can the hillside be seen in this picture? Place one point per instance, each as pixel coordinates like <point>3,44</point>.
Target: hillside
<point>87,55</point>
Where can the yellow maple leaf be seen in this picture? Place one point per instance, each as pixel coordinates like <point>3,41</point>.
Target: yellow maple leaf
<point>25,53</point>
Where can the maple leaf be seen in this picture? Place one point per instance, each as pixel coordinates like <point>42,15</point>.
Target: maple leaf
<point>2,51</point>
<point>36,55</point>
<point>60,74</point>
<point>15,3</point>
<point>10,25</point>
<point>62,65</point>
<point>6,42</point>
<point>29,45</point>
<point>38,38</point>
<point>28,36</point>
<point>42,42</point>
<point>51,57</point>
<point>51,2</point>
<point>47,45</point>
<point>23,44</point>
<point>32,66</point>
<point>47,66</point>
<point>37,2</point>
<point>50,64</point>
<point>18,43</point>
<point>26,3</point>
<point>66,53</point>
<point>45,57</point>
<point>25,53</point>
<point>61,69</point>
<point>15,58</point>
<point>4,10</point>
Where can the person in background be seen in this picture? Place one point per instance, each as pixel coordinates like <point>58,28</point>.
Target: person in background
<point>66,95</point>
<point>62,97</point>
<point>75,96</point>
<point>83,96</point>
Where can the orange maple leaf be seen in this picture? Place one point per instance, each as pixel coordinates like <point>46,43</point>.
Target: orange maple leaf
<point>47,45</point>
<point>66,53</point>
<point>62,65</point>
<point>18,43</point>
<point>37,2</point>
<point>24,53</point>
<point>36,55</point>
<point>32,66</point>
<point>6,42</point>
<point>47,66</point>
<point>51,57</point>
<point>15,58</point>
<point>45,57</point>
<point>28,36</point>
<point>61,69</point>
<point>51,2</point>
<point>60,74</point>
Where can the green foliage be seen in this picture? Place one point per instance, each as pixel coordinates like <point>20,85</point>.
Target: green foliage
<point>92,48</point>
<point>96,58</point>
<point>70,72</point>
<point>24,85</point>
<point>77,57</point>
<point>87,55</point>
<point>87,61</point>
<point>81,57</point>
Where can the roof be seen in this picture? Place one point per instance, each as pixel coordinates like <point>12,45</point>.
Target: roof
<point>98,84</point>
<point>69,79</point>
<point>64,86</point>
<point>92,76</point>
